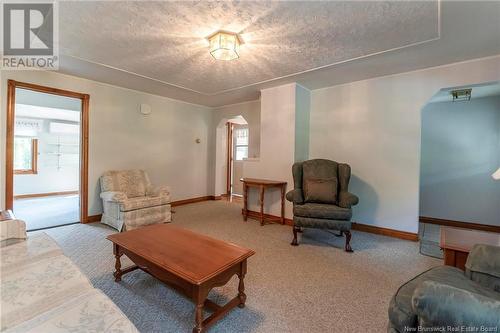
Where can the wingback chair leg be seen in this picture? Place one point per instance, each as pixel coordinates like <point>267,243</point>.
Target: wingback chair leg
<point>294,241</point>
<point>348,247</point>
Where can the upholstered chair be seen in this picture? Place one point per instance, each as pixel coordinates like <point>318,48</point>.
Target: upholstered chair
<point>130,201</point>
<point>446,296</point>
<point>321,198</point>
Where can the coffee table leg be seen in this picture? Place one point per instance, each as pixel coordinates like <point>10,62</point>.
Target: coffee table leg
<point>241,291</point>
<point>199,297</point>
<point>241,286</point>
<point>118,265</point>
<point>198,318</point>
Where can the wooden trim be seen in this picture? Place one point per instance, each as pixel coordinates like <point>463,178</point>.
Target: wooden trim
<point>460,224</point>
<point>355,226</point>
<point>94,218</point>
<point>84,159</point>
<point>34,161</point>
<point>47,90</point>
<point>229,158</point>
<point>9,149</point>
<point>193,200</point>
<point>39,195</point>
<point>267,217</point>
<point>97,218</point>
<point>84,125</point>
<point>385,231</point>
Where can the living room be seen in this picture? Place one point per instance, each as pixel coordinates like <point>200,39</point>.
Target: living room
<point>213,129</point>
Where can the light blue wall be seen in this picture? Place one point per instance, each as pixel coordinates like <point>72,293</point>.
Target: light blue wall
<point>460,150</point>
<point>302,116</point>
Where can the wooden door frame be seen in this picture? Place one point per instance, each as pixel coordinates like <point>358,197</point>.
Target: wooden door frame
<point>229,157</point>
<point>84,139</point>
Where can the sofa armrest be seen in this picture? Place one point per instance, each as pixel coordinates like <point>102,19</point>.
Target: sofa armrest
<point>114,196</point>
<point>295,196</point>
<point>485,259</point>
<point>441,305</point>
<point>347,199</point>
<point>156,191</point>
<point>483,265</point>
<point>12,229</point>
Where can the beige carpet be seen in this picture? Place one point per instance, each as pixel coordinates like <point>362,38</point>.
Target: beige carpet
<point>316,287</point>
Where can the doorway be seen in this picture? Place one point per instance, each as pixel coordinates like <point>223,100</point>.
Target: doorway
<point>237,152</point>
<point>47,155</point>
<point>460,145</point>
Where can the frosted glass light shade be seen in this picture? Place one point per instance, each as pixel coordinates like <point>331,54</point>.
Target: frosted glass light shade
<point>496,174</point>
<point>224,45</point>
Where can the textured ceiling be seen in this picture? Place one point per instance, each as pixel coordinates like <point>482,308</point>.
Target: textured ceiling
<point>164,41</point>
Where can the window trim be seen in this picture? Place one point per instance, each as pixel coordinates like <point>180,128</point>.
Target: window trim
<point>34,161</point>
<point>237,145</point>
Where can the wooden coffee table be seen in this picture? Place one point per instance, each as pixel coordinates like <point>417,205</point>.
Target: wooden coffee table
<point>187,261</point>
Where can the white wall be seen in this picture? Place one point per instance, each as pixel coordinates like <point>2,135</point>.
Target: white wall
<point>277,151</point>
<point>460,152</point>
<point>49,177</point>
<point>121,138</point>
<point>374,125</point>
<point>250,111</point>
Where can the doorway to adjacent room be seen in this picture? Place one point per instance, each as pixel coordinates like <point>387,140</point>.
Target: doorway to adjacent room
<point>47,140</point>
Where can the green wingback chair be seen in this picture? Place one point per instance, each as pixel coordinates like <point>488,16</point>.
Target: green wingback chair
<point>445,296</point>
<point>321,198</point>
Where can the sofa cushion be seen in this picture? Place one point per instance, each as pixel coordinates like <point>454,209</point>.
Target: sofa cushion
<point>321,190</point>
<point>36,247</point>
<point>309,222</point>
<point>322,211</point>
<point>401,313</point>
<point>31,289</point>
<point>143,202</point>
<point>141,217</point>
<point>90,312</point>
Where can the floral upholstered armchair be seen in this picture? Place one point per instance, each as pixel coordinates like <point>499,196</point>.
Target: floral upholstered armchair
<point>130,201</point>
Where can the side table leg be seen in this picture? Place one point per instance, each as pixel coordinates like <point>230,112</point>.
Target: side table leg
<point>118,265</point>
<point>245,201</point>
<point>261,205</point>
<point>283,204</point>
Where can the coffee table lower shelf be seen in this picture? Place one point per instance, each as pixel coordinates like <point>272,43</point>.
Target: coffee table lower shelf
<point>196,292</point>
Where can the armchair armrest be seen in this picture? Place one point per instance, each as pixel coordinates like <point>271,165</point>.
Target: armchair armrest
<point>439,305</point>
<point>295,196</point>
<point>156,191</point>
<point>483,265</point>
<point>347,199</point>
<point>114,196</point>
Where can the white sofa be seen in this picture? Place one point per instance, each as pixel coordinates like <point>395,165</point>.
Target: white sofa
<point>43,291</point>
<point>130,201</point>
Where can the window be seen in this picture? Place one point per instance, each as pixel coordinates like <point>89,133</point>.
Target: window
<point>240,144</point>
<point>25,155</point>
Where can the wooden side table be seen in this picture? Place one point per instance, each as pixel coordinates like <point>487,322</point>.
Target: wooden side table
<point>262,185</point>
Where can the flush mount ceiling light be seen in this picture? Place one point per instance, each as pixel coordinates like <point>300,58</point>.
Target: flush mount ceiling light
<point>461,95</point>
<point>224,45</point>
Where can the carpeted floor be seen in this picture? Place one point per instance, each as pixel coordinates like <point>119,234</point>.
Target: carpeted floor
<point>316,287</point>
<point>45,212</point>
